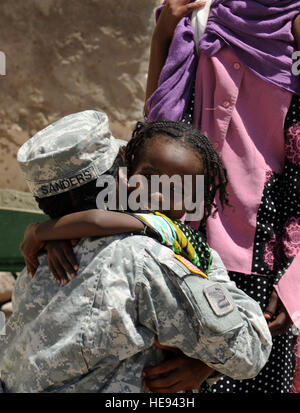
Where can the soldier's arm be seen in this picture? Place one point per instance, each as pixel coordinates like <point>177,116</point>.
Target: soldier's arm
<point>210,320</point>
<point>252,341</point>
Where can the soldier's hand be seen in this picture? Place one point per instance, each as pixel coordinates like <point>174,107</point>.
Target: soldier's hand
<point>30,247</point>
<point>61,260</point>
<point>178,374</point>
<point>278,318</point>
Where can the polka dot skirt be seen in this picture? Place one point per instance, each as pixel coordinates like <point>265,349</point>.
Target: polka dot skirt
<point>277,375</point>
<point>188,116</point>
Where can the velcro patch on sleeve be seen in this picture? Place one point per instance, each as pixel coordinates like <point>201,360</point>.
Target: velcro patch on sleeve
<point>191,267</point>
<point>218,299</point>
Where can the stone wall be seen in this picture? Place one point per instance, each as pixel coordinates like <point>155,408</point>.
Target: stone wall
<point>64,56</point>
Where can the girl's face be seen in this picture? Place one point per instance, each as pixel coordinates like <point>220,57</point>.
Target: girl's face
<point>163,155</point>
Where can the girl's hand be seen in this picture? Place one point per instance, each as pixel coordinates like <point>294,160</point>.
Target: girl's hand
<point>61,260</point>
<point>30,247</point>
<point>173,12</point>
<point>282,321</point>
<point>176,374</point>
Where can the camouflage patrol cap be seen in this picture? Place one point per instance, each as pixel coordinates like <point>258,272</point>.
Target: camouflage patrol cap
<point>71,152</point>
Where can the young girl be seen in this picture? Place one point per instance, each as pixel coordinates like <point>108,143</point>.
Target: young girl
<point>158,148</point>
<point>246,100</point>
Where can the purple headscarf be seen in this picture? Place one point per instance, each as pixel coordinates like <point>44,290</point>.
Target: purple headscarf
<point>259,33</point>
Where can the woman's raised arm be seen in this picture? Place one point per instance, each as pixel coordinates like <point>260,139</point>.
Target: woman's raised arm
<point>170,15</point>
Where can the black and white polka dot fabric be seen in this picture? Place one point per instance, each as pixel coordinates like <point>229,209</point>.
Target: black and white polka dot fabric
<point>277,238</point>
<point>198,240</point>
<point>277,375</point>
<point>189,113</point>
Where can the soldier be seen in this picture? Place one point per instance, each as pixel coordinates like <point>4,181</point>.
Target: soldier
<point>96,333</point>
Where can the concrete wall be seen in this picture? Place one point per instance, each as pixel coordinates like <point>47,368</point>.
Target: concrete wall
<point>64,56</point>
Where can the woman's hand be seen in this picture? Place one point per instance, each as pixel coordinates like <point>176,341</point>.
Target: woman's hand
<point>61,260</point>
<point>30,247</point>
<point>181,8</point>
<point>282,321</point>
<point>177,374</point>
<point>173,12</point>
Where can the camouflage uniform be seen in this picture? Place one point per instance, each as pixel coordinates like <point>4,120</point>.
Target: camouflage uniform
<point>95,334</point>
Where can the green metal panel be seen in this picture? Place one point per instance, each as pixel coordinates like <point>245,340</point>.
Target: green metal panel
<point>17,211</point>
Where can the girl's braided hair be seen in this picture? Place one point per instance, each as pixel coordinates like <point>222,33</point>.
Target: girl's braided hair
<point>214,172</point>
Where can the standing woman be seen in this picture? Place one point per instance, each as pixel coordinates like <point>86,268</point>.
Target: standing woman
<point>228,67</point>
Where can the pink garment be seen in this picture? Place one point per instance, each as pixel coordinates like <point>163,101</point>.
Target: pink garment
<point>243,116</point>
<point>288,290</point>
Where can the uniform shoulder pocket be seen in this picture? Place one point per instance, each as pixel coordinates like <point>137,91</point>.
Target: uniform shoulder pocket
<point>210,301</point>
<point>213,304</point>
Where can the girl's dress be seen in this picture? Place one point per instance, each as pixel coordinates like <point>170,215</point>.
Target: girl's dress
<point>296,382</point>
<point>252,117</point>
